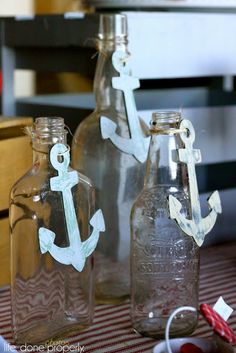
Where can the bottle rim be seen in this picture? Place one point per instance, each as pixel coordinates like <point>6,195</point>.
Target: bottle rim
<point>169,116</point>
<point>45,126</point>
<point>113,27</point>
<point>165,122</point>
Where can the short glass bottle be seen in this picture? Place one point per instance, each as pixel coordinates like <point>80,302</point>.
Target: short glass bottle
<point>164,260</point>
<point>117,176</point>
<point>48,298</point>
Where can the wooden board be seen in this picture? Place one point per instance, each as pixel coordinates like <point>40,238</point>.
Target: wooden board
<point>15,155</point>
<point>14,122</point>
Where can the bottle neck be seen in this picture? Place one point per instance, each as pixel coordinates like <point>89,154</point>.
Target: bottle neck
<point>46,133</point>
<point>41,151</point>
<point>108,98</point>
<point>163,167</point>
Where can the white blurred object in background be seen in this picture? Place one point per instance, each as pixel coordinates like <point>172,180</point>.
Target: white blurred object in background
<point>24,79</point>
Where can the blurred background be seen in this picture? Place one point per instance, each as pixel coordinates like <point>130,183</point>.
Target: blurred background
<point>27,82</point>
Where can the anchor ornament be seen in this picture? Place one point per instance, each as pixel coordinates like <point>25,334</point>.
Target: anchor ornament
<point>197,227</point>
<point>77,252</point>
<point>137,145</point>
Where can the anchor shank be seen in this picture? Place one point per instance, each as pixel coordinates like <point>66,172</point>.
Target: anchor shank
<point>127,84</point>
<point>193,190</point>
<point>71,220</point>
<point>132,115</point>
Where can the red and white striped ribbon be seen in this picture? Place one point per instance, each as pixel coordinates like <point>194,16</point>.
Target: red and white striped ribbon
<point>112,332</point>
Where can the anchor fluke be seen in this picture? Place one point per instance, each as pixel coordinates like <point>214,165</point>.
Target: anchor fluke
<point>174,207</point>
<point>46,239</point>
<point>214,202</point>
<point>215,208</point>
<point>108,127</point>
<point>97,221</point>
<point>98,224</point>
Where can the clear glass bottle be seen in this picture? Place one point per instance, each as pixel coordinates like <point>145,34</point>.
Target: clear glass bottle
<point>118,177</point>
<point>164,260</point>
<point>48,298</point>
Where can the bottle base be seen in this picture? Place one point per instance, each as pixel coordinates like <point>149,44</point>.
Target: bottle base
<point>111,292</point>
<point>111,300</point>
<point>155,328</point>
<point>43,334</point>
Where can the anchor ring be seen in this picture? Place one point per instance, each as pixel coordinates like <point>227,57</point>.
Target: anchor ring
<point>188,136</point>
<point>119,59</point>
<point>59,150</point>
<point>67,150</point>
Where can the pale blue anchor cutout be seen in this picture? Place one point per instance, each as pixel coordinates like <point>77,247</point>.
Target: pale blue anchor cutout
<point>77,252</point>
<point>137,145</point>
<point>197,227</point>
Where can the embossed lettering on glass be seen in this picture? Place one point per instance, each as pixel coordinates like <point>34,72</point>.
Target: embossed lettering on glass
<point>164,260</point>
<point>49,295</point>
<point>113,167</point>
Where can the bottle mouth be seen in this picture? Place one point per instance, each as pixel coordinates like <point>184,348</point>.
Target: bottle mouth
<point>48,126</point>
<point>113,27</point>
<point>48,130</point>
<point>165,122</point>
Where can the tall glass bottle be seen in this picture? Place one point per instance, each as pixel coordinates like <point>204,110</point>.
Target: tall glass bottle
<point>164,260</point>
<point>118,176</point>
<point>48,298</point>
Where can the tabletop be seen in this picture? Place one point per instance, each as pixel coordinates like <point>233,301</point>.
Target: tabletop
<point>112,332</point>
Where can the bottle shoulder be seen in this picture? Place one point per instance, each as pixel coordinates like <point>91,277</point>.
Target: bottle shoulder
<point>90,128</point>
<point>83,179</point>
<point>157,197</point>
<point>157,191</point>
<point>24,181</point>
<point>112,114</point>
<point>34,180</point>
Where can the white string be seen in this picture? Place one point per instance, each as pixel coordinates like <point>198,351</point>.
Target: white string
<point>167,332</point>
